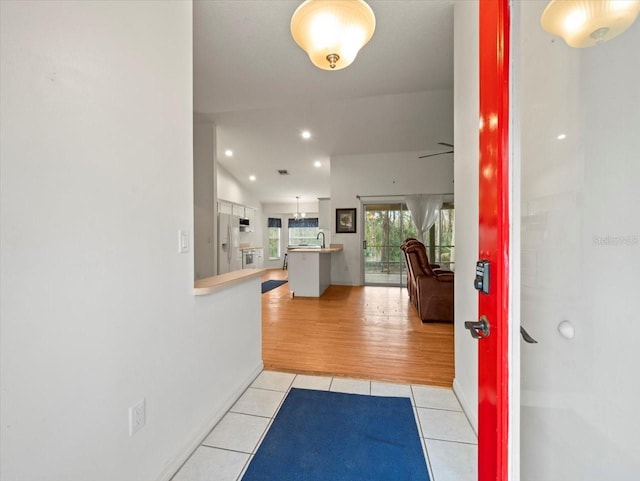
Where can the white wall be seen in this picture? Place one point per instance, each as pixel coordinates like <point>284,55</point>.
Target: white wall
<point>379,175</point>
<point>466,101</point>
<point>97,308</point>
<point>204,199</point>
<point>325,218</point>
<point>231,190</point>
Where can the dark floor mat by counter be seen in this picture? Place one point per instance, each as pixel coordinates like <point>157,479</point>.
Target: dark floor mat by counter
<point>268,285</point>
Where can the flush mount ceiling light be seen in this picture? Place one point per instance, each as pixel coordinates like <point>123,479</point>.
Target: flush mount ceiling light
<point>584,23</point>
<point>306,134</point>
<point>332,31</point>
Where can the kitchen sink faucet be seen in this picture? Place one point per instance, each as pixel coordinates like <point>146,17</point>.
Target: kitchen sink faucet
<point>318,237</point>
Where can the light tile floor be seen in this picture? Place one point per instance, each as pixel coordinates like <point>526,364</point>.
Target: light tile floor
<point>449,442</point>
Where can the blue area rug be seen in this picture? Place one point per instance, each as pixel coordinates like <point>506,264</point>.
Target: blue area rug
<point>268,285</point>
<point>330,436</point>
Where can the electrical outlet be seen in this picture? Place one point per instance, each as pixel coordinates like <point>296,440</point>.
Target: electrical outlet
<point>137,417</point>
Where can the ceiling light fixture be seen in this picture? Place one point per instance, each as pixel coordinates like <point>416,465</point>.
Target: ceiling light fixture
<point>584,23</point>
<point>332,31</point>
<point>297,215</point>
<point>252,178</point>
<point>228,153</point>
<point>317,163</point>
<point>306,134</point>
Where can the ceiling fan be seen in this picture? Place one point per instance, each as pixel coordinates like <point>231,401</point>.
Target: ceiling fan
<point>439,153</point>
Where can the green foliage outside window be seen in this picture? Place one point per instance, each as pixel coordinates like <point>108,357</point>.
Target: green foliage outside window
<point>388,225</point>
<point>440,242</point>
<point>386,228</point>
<point>274,242</point>
<point>303,236</point>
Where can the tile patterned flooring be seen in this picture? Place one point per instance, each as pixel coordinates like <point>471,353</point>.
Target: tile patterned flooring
<point>448,439</point>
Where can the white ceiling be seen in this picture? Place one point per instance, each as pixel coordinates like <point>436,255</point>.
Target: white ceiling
<point>261,90</point>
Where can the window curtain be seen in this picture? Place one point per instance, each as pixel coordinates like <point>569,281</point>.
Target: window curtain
<point>305,222</point>
<point>274,222</point>
<point>424,210</point>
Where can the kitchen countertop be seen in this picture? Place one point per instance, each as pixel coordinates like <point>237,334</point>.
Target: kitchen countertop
<point>246,248</point>
<point>326,250</point>
<point>208,285</point>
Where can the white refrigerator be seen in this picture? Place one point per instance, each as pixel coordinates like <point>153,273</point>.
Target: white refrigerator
<point>229,254</point>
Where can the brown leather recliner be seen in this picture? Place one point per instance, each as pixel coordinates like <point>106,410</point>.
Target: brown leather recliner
<point>430,290</point>
<point>410,283</point>
<point>424,262</point>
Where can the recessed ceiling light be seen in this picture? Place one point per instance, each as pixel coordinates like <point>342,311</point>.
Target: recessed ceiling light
<point>561,136</point>
<point>317,163</point>
<point>306,134</point>
<point>252,178</point>
<point>228,153</point>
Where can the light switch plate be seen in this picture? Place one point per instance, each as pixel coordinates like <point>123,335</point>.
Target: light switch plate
<point>183,241</point>
<point>137,417</point>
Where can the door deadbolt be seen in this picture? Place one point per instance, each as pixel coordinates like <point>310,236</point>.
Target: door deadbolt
<point>479,329</point>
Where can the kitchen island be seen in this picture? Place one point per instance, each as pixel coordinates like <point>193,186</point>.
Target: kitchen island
<point>310,269</point>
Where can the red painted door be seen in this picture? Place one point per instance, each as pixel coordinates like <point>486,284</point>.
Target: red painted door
<point>494,239</point>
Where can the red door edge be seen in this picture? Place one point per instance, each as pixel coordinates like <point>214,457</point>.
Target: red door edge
<point>493,382</point>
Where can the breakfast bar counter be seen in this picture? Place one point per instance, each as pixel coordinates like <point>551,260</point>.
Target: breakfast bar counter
<point>310,269</point>
<point>209,285</point>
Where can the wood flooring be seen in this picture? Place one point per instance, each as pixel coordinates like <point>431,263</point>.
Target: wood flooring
<point>354,331</point>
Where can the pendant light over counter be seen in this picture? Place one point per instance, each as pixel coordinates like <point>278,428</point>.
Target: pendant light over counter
<point>584,23</point>
<point>332,32</point>
<point>298,215</point>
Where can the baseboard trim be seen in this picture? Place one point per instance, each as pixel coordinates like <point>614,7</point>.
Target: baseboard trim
<point>172,467</point>
<point>469,411</point>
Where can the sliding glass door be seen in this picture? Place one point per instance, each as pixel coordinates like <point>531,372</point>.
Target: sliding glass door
<point>386,226</point>
<point>440,239</point>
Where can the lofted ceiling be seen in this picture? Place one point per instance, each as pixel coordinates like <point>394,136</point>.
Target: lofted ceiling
<point>261,90</point>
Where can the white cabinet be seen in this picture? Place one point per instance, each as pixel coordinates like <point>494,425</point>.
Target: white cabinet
<point>250,214</point>
<point>238,210</point>
<point>225,207</point>
<point>259,258</point>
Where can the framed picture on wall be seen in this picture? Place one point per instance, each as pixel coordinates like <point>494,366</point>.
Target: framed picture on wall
<point>345,221</point>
